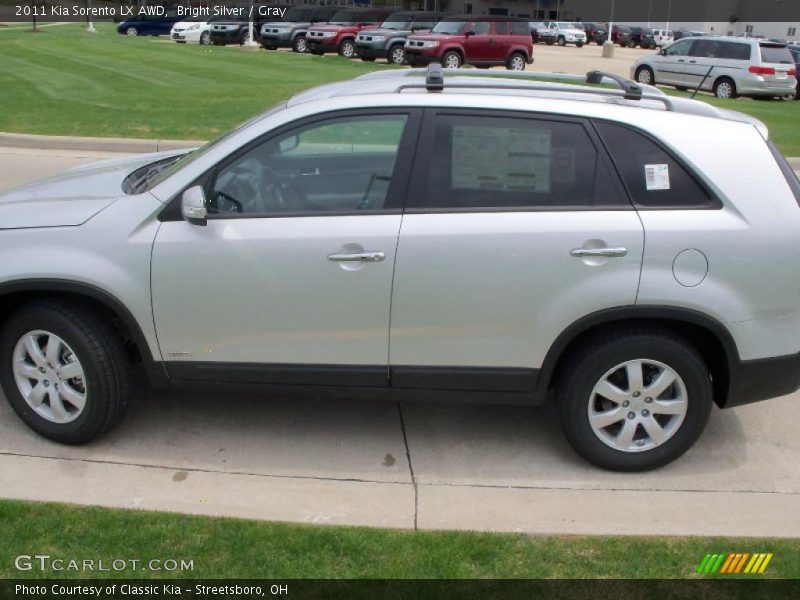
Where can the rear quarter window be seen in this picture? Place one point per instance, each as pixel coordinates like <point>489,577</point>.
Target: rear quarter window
<point>654,178</point>
<point>736,51</point>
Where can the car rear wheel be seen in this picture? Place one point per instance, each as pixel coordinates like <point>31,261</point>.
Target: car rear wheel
<point>299,44</point>
<point>64,371</point>
<point>205,38</point>
<point>347,49</point>
<point>516,62</point>
<point>132,31</point>
<point>725,88</point>
<point>562,41</point>
<point>397,54</point>
<point>451,60</point>
<point>645,76</point>
<point>634,401</point>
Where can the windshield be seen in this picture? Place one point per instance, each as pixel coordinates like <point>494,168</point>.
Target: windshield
<point>296,14</point>
<point>153,174</point>
<point>776,54</point>
<point>396,25</point>
<point>344,17</point>
<point>450,27</point>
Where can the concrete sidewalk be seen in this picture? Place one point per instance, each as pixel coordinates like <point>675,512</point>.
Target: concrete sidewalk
<point>431,466</point>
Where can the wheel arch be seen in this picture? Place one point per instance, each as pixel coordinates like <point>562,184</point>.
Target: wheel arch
<point>709,337</point>
<point>14,294</point>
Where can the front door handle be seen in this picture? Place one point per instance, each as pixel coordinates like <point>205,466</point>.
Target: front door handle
<point>371,257</point>
<point>609,252</point>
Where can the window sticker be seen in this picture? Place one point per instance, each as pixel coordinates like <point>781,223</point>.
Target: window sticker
<point>657,177</point>
<point>501,158</point>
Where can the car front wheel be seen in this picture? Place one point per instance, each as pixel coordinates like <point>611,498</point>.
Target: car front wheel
<point>205,38</point>
<point>132,31</point>
<point>347,49</point>
<point>562,41</point>
<point>451,60</point>
<point>397,55</point>
<point>64,371</point>
<point>645,75</point>
<point>299,44</point>
<point>634,401</point>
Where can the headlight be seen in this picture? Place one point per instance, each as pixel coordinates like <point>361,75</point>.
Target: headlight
<point>194,27</point>
<point>378,38</point>
<point>328,34</point>
<point>430,44</point>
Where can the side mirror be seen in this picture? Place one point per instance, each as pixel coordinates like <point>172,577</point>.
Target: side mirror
<point>193,206</point>
<point>288,144</point>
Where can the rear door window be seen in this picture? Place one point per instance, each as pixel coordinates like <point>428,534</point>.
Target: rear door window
<point>501,28</point>
<point>654,177</point>
<point>485,162</point>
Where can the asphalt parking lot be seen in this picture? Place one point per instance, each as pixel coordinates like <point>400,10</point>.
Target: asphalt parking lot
<point>434,466</point>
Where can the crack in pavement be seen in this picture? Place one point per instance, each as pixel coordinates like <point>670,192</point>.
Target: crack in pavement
<point>414,481</point>
<point>410,465</point>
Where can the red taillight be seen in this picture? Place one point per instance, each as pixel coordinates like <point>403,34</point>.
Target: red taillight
<point>762,70</point>
<point>792,72</point>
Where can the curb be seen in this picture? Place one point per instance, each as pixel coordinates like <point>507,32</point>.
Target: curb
<point>95,144</point>
<point>50,142</point>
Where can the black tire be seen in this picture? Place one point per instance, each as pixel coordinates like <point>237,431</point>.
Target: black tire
<point>101,354</point>
<point>579,44</point>
<point>720,88</point>
<point>455,57</point>
<point>205,38</point>
<point>347,49</point>
<point>516,62</point>
<point>299,44</point>
<point>396,54</point>
<point>588,365</point>
<point>645,75</point>
<point>562,41</point>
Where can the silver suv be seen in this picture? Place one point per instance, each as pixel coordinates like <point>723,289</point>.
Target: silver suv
<point>509,239</point>
<point>728,67</point>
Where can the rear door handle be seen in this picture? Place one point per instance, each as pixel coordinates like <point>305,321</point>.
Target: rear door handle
<point>372,257</point>
<point>609,252</point>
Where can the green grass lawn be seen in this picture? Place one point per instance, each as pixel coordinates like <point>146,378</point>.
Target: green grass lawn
<point>64,81</point>
<point>254,549</point>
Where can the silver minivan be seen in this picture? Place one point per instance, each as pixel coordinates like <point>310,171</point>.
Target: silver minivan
<point>728,67</point>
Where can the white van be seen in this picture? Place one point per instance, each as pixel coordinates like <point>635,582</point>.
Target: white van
<point>663,37</point>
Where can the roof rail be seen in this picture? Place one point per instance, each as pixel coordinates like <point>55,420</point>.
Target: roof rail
<point>629,90</point>
<point>633,91</point>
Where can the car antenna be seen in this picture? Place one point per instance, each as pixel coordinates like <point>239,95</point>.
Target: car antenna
<point>697,89</point>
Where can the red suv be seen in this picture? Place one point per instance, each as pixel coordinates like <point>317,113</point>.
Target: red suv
<point>339,34</point>
<point>476,40</point>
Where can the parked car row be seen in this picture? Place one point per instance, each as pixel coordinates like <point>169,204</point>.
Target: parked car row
<point>727,66</point>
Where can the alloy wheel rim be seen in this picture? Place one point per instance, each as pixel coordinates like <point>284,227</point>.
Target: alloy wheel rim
<point>301,44</point>
<point>517,64</point>
<point>132,31</point>
<point>49,376</point>
<point>724,90</point>
<point>637,405</point>
<point>644,76</point>
<point>452,62</point>
<point>347,50</point>
<point>398,55</point>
